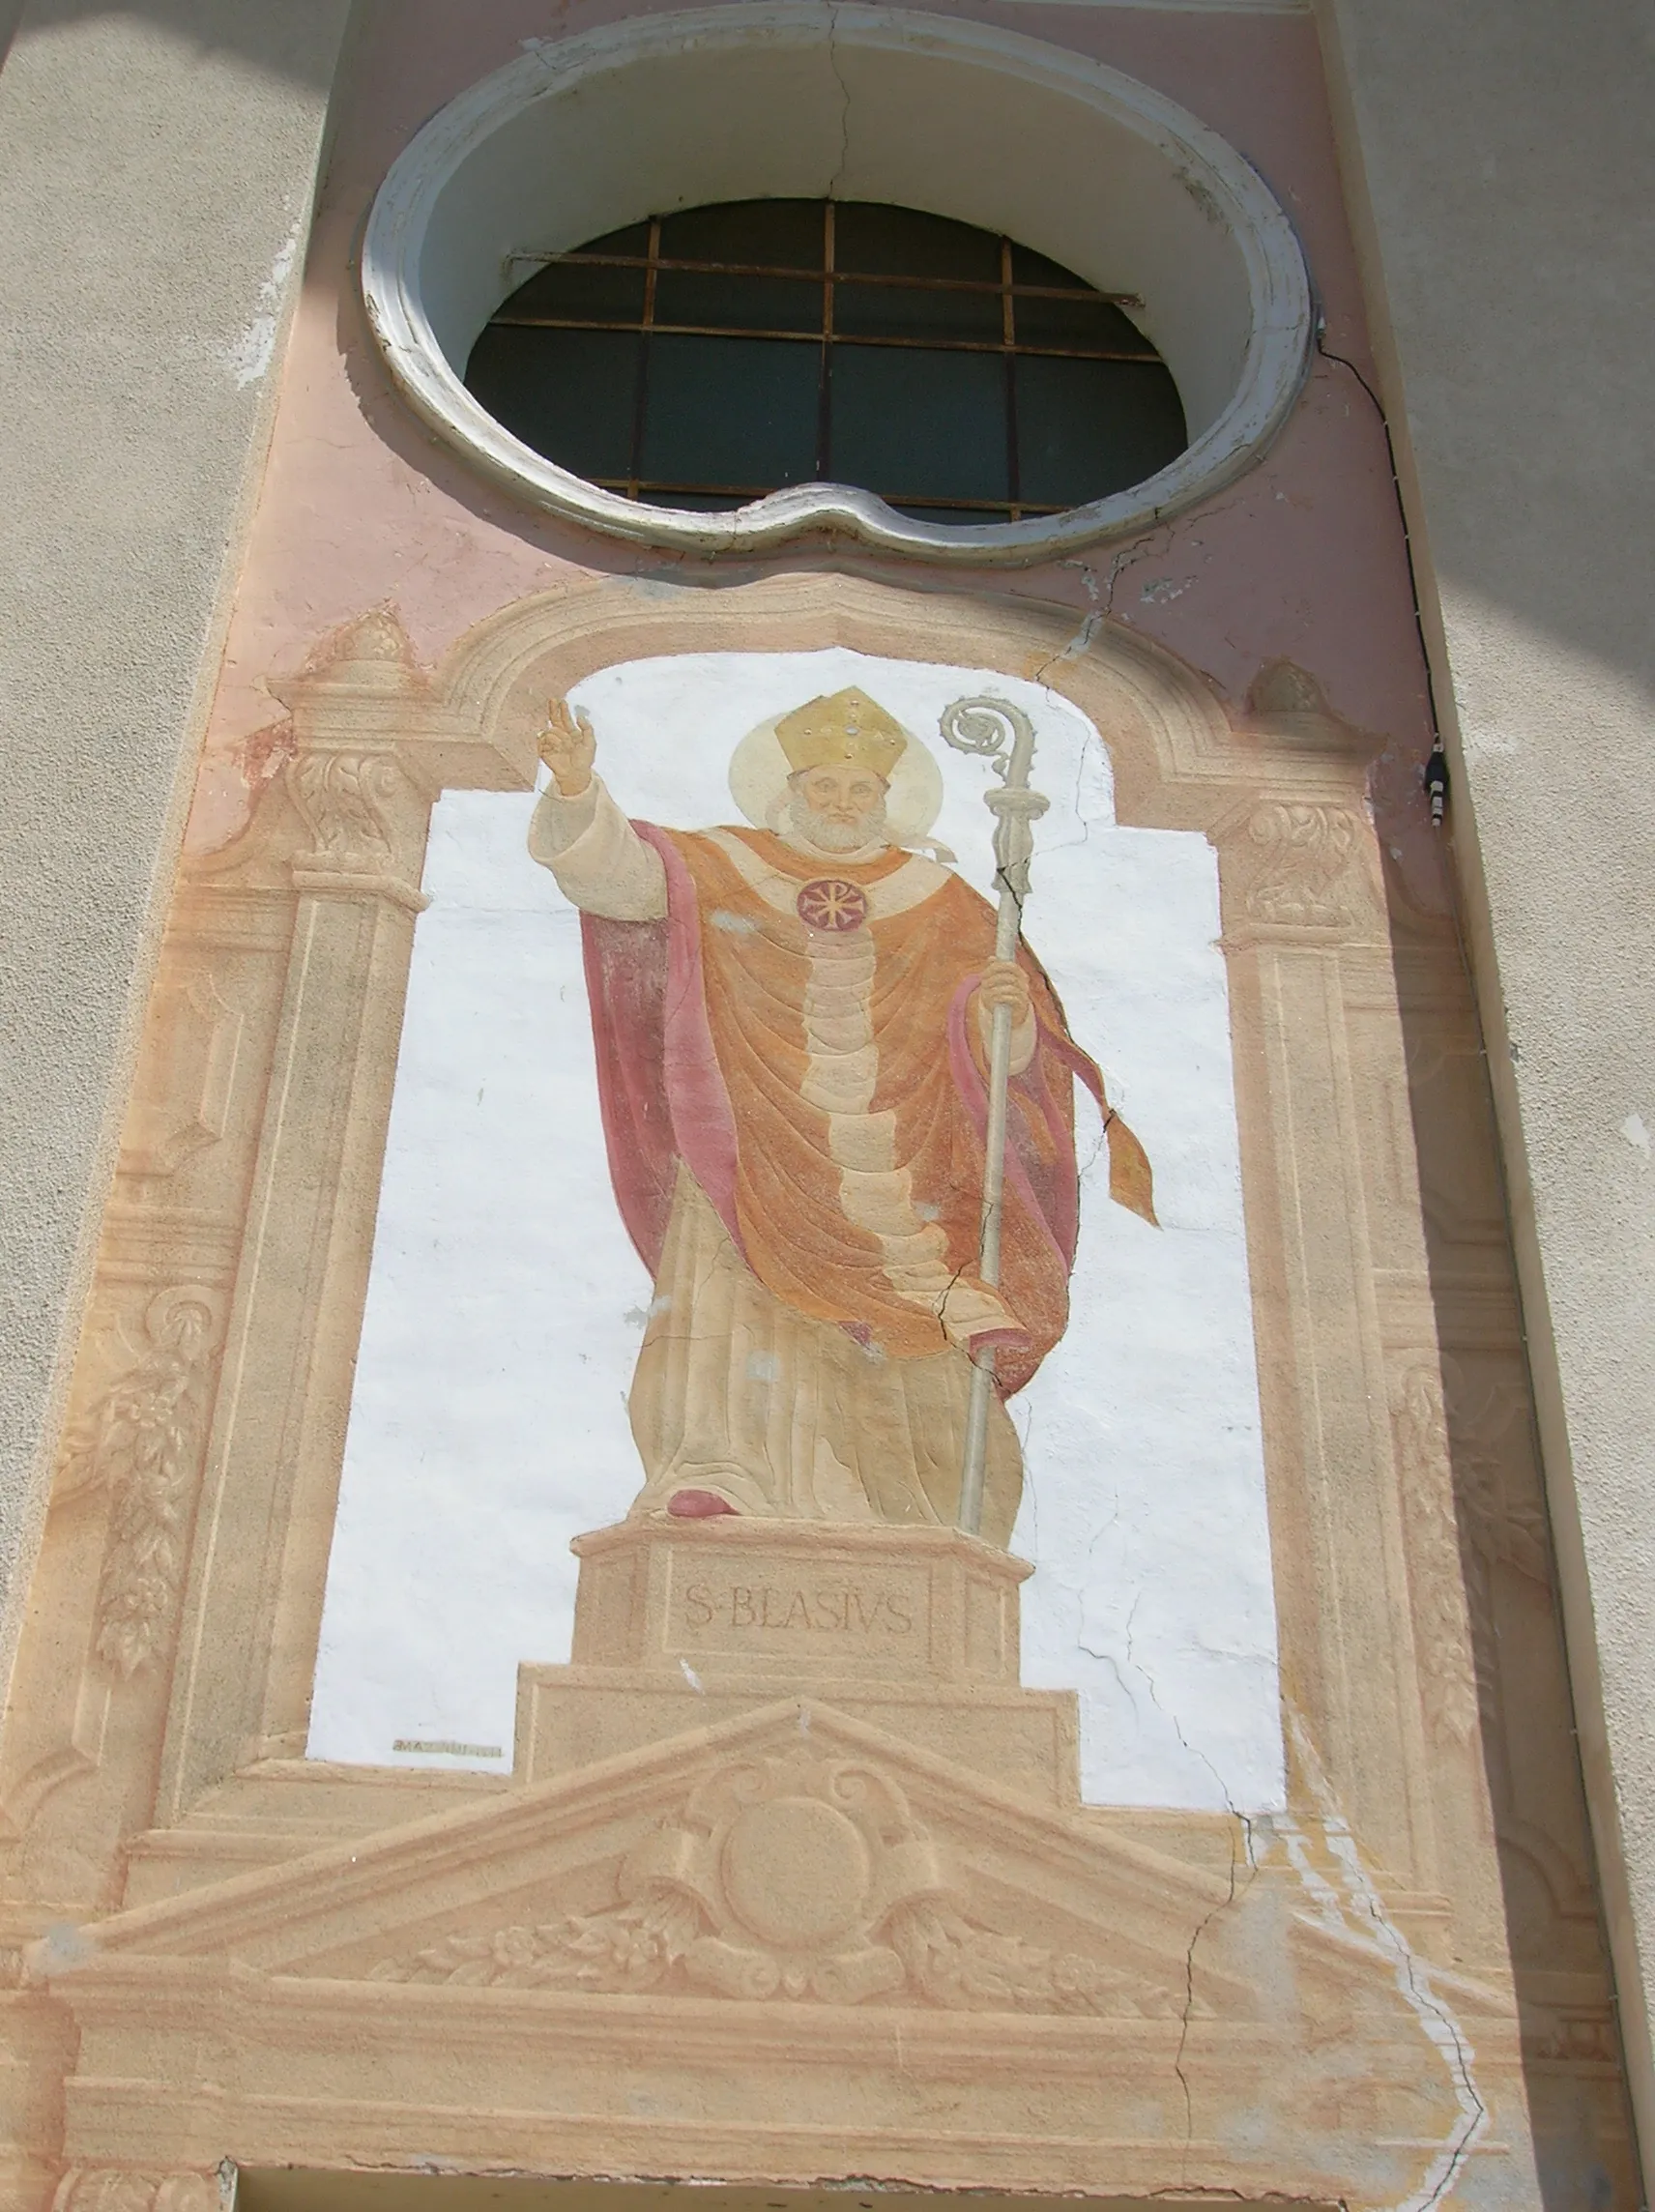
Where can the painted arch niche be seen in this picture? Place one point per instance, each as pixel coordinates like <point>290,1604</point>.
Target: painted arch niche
<point>507,1303</point>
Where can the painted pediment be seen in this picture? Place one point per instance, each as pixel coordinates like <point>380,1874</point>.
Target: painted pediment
<point>670,1938</point>
<point>796,1853</point>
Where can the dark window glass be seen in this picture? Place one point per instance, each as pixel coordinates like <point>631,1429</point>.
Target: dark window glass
<point>690,297</point>
<point>732,412</point>
<point>930,425</point>
<point>762,233</point>
<point>1091,426</point>
<point>705,358</point>
<point>1077,325</point>
<point>901,242</point>
<point>592,292</point>
<point>922,317</point>
<point>569,392</point>
<point>633,240</point>
<point>1031,268</point>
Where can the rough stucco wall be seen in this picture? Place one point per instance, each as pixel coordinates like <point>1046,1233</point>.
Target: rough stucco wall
<point>155,168</point>
<point>1504,153</point>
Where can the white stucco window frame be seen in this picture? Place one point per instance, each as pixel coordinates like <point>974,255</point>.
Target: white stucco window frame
<point>801,99</point>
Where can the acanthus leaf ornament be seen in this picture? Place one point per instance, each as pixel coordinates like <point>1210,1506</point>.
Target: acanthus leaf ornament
<point>345,800</point>
<point>1307,848</point>
<point>358,808</point>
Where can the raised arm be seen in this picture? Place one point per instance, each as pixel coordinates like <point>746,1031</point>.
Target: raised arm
<point>600,862</point>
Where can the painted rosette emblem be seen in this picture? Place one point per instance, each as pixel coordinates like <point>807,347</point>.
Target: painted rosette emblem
<point>833,904</point>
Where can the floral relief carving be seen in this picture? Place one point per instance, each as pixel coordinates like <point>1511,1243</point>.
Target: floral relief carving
<point>797,1877</point>
<point>1584,2035</point>
<point>142,1441</point>
<point>110,2188</point>
<point>1306,849</point>
<point>1460,1524</point>
<point>1447,1678</point>
<point>344,800</point>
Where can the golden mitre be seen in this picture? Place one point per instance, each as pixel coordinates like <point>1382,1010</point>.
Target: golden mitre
<point>843,726</point>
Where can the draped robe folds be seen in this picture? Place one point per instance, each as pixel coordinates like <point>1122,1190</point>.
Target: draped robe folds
<point>795,1116</point>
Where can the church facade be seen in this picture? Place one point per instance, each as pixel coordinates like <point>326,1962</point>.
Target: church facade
<point>827,1180</point>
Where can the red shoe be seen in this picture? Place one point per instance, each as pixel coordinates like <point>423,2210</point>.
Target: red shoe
<point>697,1504</point>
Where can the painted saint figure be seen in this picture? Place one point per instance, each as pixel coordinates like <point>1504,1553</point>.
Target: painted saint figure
<point>791,1028</point>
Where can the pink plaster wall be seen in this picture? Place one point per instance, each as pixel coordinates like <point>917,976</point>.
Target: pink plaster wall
<point>1304,559</point>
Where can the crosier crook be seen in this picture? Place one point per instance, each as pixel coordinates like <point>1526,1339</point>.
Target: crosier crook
<point>1003,735</point>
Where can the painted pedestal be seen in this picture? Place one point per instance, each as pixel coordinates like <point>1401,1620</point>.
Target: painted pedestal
<point>683,1624</point>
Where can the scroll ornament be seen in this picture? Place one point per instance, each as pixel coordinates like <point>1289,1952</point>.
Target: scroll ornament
<point>789,1878</point>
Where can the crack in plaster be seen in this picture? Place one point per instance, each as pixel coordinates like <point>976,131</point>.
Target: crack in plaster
<point>1206,1920</point>
<point>1361,1913</point>
<point>838,176</point>
<point>1090,623</point>
<point>1102,597</point>
<point>1247,1857</point>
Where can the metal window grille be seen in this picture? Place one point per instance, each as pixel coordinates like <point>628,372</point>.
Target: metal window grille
<point>666,363</point>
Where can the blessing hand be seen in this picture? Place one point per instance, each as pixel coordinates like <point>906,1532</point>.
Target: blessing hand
<point>569,747</point>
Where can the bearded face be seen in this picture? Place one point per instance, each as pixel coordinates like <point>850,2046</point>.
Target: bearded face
<point>839,808</point>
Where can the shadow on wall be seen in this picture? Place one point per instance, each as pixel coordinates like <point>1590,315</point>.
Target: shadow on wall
<point>289,40</point>
<point>1536,452</point>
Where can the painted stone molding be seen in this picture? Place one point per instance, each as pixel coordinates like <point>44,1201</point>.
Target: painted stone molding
<point>791,1601</point>
<point>142,1441</point>
<point>181,1101</point>
<point>1449,1681</point>
<point>792,1877</point>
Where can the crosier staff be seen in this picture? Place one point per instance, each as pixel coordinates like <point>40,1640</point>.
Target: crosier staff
<point>996,731</point>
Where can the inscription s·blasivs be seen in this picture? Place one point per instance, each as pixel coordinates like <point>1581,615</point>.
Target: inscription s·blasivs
<point>824,1609</point>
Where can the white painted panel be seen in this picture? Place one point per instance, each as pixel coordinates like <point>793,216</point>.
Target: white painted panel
<point>505,1302</point>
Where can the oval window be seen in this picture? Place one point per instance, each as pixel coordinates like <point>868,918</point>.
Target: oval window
<point>705,358</point>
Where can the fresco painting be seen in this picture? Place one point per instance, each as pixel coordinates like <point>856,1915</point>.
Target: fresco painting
<point>746,1494</point>
<point>687,1168</point>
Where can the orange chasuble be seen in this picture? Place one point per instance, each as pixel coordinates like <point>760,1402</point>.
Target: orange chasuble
<point>838,1005</point>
